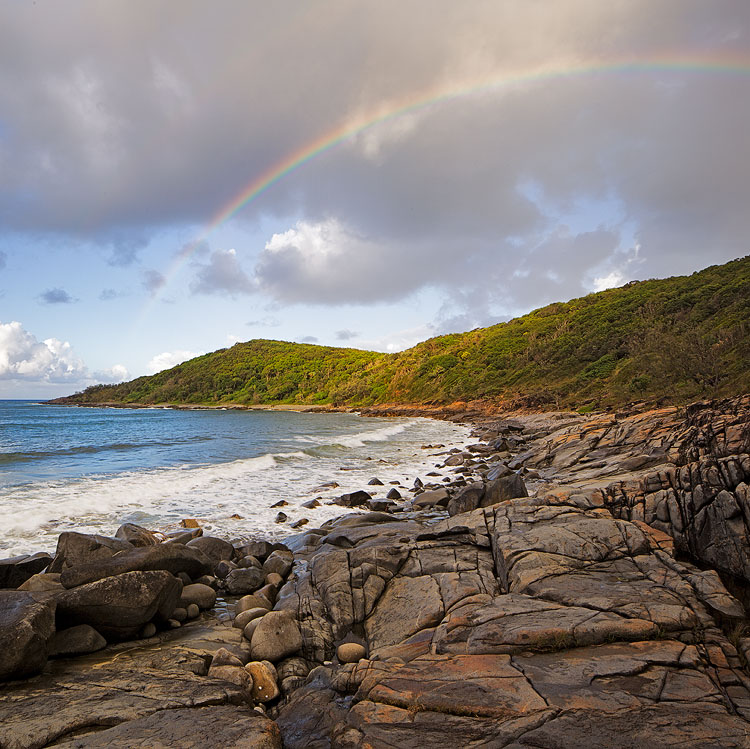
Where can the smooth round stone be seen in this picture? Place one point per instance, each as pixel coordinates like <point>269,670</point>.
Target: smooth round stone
<point>275,579</point>
<point>193,611</point>
<point>351,652</point>
<point>149,630</point>
<point>202,595</point>
<point>245,617</point>
<point>180,614</point>
<point>250,628</point>
<point>252,602</point>
<point>173,624</point>
<point>265,687</point>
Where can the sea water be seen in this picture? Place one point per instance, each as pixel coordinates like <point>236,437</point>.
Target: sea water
<point>92,469</point>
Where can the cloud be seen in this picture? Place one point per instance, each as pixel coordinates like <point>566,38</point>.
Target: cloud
<point>56,296</point>
<point>437,197</point>
<point>264,322</point>
<point>107,295</point>
<point>346,335</point>
<point>152,280</point>
<point>124,251</point>
<point>308,339</point>
<point>116,373</point>
<point>169,359</point>
<point>23,357</point>
<point>222,274</point>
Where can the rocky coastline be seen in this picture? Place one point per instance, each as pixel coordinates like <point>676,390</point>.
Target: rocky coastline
<point>566,581</point>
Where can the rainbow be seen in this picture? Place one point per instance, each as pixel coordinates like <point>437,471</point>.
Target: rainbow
<point>351,128</point>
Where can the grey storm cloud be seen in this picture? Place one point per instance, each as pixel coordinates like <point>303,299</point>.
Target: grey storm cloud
<point>308,339</point>
<point>56,296</point>
<point>159,114</point>
<point>222,274</point>
<point>346,335</point>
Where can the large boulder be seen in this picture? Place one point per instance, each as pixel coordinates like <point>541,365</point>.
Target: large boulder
<point>16,571</point>
<point>26,627</point>
<point>502,488</point>
<point>276,636</point>
<point>467,499</point>
<point>245,580</point>
<point>216,549</point>
<point>120,605</point>
<point>78,640</point>
<point>174,558</point>
<point>352,499</point>
<point>80,548</point>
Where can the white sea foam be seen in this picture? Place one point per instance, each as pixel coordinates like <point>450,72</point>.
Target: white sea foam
<point>35,514</point>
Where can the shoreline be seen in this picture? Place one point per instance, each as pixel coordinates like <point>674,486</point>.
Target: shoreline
<point>396,626</point>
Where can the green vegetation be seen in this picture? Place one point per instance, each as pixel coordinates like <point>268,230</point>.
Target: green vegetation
<point>670,340</point>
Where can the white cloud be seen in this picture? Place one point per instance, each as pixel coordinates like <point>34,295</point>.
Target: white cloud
<point>169,359</point>
<point>608,282</point>
<point>116,373</point>
<point>23,357</point>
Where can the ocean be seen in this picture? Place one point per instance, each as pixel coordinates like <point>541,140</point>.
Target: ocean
<point>92,469</point>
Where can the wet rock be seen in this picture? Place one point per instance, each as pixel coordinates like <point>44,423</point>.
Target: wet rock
<point>258,549</point>
<point>375,482</point>
<point>281,517</point>
<point>15,571</point>
<point>352,499</point>
<point>42,581</point>
<point>26,628</point>
<point>311,504</point>
<point>215,548</point>
<point>393,494</point>
<point>466,499</point>
<point>136,535</point>
<point>279,562</point>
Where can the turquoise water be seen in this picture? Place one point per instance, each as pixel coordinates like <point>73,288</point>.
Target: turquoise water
<point>92,469</point>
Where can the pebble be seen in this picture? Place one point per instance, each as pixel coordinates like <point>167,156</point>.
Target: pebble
<point>351,652</point>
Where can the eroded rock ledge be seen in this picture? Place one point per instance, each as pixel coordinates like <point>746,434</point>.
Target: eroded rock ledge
<point>596,612</point>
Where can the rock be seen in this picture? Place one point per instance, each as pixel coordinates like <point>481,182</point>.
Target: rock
<point>76,640</point>
<point>26,628</point>
<point>223,568</point>
<point>180,614</point>
<point>311,504</point>
<point>119,606</point>
<point>208,580</point>
<point>498,471</point>
<point>299,523</point>
<point>268,591</point>
<point>454,460</point>
<point>249,561</point>
<point>502,488</point>
<point>173,558</point>
<point>381,505</point>
<point>189,523</point>
<point>42,581</point>
<point>236,675</point>
<point>75,549</point>
<point>252,602</point>
<point>184,578</point>
<point>15,571</point>
<point>393,494</point>
<point>148,630</point>
<point>201,595</point>
<point>136,535</point>
<point>279,562</point>
<point>226,726</point>
<point>223,657</point>
<point>351,652</point>
<point>431,498</point>
<point>265,688</point>
<point>245,617</point>
<point>275,579</point>
<point>258,549</point>
<point>280,503</point>
<point>352,499</point>
<point>215,548</point>
<point>375,482</point>
<point>249,629</point>
<point>276,636</point>
<point>193,610</point>
<point>244,580</point>
<point>466,499</point>
<point>281,517</point>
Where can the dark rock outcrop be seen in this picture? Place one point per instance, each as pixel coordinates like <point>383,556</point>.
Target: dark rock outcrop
<point>15,571</point>
<point>26,627</point>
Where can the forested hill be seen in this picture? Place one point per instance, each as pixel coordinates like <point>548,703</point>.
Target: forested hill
<point>670,340</point>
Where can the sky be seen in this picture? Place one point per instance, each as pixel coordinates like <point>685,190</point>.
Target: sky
<point>177,176</point>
